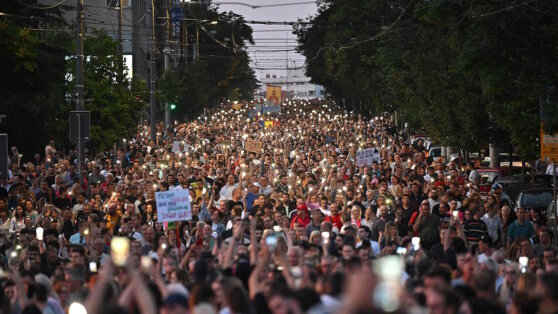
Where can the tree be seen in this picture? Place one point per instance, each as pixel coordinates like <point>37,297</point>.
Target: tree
<point>33,43</point>
<point>220,71</point>
<point>469,72</point>
<point>111,96</point>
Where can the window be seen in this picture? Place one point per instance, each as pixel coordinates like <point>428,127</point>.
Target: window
<point>126,41</point>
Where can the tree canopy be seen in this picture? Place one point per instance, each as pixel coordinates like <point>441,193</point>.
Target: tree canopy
<point>468,72</point>
<point>219,71</point>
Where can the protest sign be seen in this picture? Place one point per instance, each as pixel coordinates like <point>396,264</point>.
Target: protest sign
<point>253,146</point>
<point>173,206</point>
<point>176,147</point>
<point>273,94</point>
<point>365,157</point>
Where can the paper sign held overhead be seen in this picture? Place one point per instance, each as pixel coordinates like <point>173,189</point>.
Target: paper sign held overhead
<point>253,146</point>
<point>173,206</point>
<point>365,157</point>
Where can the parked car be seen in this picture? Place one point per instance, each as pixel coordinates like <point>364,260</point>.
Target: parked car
<point>537,199</point>
<point>513,185</point>
<point>435,151</point>
<point>488,176</point>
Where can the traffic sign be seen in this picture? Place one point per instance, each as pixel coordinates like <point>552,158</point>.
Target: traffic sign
<point>549,146</point>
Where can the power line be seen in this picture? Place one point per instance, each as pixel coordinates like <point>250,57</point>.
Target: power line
<point>45,7</point>
<point>265,5</point>
<point>271,30</point>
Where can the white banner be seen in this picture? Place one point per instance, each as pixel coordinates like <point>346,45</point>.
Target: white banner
<point>365,157</point>
<point>176,147</point>
<point>173,206</point>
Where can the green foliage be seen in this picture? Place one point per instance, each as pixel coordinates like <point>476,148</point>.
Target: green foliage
<point>468,72</point>
<point>32,89</point>
<point>111,96</point>
<point>221,71</point>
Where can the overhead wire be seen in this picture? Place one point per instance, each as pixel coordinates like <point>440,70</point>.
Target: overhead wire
<point>45,7</point>
<point>265,5</point>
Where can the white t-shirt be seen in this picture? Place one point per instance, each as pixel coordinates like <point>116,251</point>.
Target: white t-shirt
<point>474,175</point>
<point>549,169</point>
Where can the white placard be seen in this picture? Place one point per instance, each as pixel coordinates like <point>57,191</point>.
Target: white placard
<point>176,147</point>
<point>173,206</point>
<point>365,157</point>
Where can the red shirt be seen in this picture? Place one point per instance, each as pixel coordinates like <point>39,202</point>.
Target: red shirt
<point>335,221</point>
<point>301,221</point>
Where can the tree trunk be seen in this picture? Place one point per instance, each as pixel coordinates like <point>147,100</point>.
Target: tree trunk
<point>493,150</point>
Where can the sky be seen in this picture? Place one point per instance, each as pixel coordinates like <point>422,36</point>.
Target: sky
<point>268,55</point>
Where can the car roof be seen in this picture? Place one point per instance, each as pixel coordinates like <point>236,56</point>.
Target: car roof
<point>489,170</point>
<point>537,190</point>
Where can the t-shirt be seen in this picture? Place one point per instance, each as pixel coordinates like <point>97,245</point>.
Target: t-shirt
<point>250,200</point>
<point>231,204</point>
<point>474,175</point>
<point>474,230</point>
<point>494,225</point>
<point>428,230</point>
<point>517,229</point>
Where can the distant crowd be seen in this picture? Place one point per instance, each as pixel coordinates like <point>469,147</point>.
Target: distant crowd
<point>287,217</point>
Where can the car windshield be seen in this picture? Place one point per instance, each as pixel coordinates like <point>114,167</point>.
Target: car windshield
<point>488,177</point>
<point>535,199</point>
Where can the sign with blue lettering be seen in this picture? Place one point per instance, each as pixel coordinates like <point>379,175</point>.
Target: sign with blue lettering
<point>173,206</point>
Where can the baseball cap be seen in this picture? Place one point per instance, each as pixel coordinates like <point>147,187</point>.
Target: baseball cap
<point>496,186</point>
<point>302,207</point>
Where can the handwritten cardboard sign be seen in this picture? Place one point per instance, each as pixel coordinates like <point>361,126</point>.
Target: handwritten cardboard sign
<point>253,146</point>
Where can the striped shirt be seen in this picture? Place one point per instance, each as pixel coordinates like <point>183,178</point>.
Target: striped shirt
<point>474,230</point>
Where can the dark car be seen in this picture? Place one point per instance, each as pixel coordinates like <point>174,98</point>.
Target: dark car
<point>513,185</point>
<point>537,199</point>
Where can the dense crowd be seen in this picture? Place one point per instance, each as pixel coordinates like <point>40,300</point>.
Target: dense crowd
<point>299,226</point>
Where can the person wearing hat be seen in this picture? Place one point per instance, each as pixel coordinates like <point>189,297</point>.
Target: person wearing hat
<point>301,217</point>
<point>501,197</point>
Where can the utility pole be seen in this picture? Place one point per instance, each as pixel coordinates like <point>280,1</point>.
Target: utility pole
<point>286,64</point>
<point>555,209</point>
<point>79,78</point>
<point>185,45</point>
<point>79,57</point>
<point>166,51</point>
<point>119,49</point>
<point>152,75</point>
<point>194,54</point>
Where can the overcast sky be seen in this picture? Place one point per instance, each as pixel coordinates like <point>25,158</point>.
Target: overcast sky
<point>271,40</point>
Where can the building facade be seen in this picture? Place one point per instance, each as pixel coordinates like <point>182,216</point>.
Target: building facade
<point>295,83</point>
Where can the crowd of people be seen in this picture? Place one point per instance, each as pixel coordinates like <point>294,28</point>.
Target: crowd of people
<point>298,224</point>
